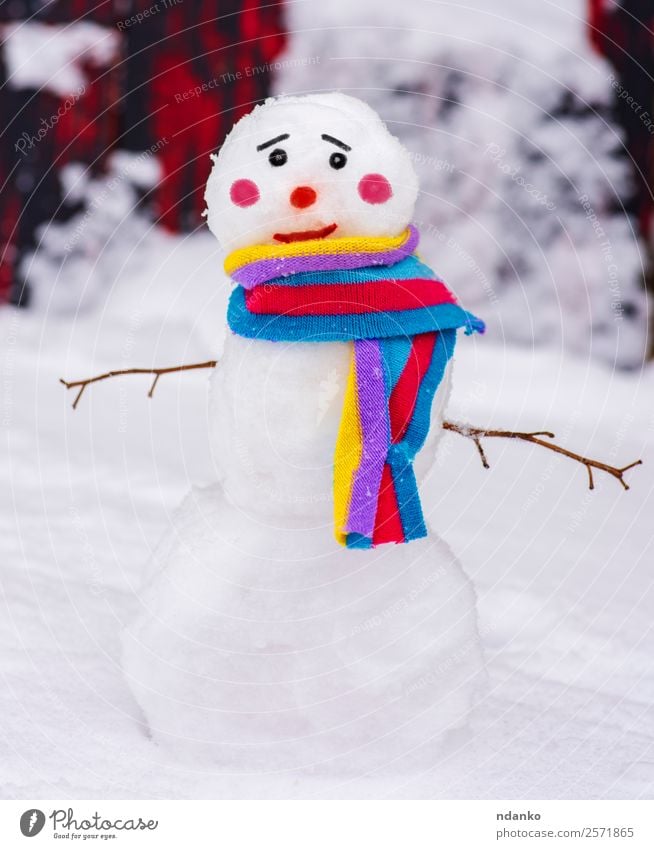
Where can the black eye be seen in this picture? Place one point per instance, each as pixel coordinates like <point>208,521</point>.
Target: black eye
<point>277,157</point>
<point>337,160</point>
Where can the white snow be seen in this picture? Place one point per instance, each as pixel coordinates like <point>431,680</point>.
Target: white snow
<point>51,56</point>
<point>370,148</point>
<point>563,576</point>
<point>76,260</point>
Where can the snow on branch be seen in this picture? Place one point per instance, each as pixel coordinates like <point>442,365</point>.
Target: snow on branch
<point>476,434</point>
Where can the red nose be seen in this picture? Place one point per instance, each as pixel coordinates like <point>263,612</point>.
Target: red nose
<point>303,196</point>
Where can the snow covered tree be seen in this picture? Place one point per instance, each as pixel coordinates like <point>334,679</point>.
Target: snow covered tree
<point>508,114</point>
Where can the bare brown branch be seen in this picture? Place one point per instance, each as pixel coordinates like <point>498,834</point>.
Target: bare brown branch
<point>477,433</point>
<point>157,372</point>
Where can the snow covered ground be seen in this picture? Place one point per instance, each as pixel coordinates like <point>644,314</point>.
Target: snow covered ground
<point>563,576</point>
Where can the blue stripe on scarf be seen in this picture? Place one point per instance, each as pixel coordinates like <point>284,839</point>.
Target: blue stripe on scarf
<point>395,352</point>
<point>418,427</point>
<point>344,328</point>
<point>359,541</point>
<point>408,498</point>
<point>402,454</point>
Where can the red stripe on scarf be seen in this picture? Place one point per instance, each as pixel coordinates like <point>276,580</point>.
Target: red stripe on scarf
<point>405,392</point>
<point>388,524</point>
<point>347,298</point>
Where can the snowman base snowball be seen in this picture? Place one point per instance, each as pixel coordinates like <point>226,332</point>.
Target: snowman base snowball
<point>261,648</point>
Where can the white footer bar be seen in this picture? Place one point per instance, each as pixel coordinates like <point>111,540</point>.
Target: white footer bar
<point>328,825</point>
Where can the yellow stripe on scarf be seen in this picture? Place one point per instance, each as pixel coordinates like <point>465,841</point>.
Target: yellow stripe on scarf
<point>348,244</point>
<point>347,456</point>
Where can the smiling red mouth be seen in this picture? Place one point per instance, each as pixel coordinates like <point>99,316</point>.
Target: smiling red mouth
<point>303,235</point>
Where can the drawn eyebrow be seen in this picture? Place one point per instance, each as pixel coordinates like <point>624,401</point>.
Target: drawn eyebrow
<point>272,141</point>
<point>338,143</point>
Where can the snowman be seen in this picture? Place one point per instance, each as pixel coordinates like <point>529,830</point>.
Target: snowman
<point>299,615</point>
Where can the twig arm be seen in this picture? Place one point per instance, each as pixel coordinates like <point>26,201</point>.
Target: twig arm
<point>157,372</point>
<point>477,433</point>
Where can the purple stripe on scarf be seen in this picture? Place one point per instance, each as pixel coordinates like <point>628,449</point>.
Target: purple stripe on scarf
<point>373,416</point>
<point>263,270</point>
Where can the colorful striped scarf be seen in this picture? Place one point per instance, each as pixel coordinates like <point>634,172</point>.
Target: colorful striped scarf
<point>401,321</point>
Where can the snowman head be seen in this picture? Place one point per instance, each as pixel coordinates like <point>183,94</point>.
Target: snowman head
<point>321,166</point>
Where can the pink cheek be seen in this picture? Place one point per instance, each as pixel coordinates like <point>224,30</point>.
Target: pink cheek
<point>375,188</point>
<point>244,192</point>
